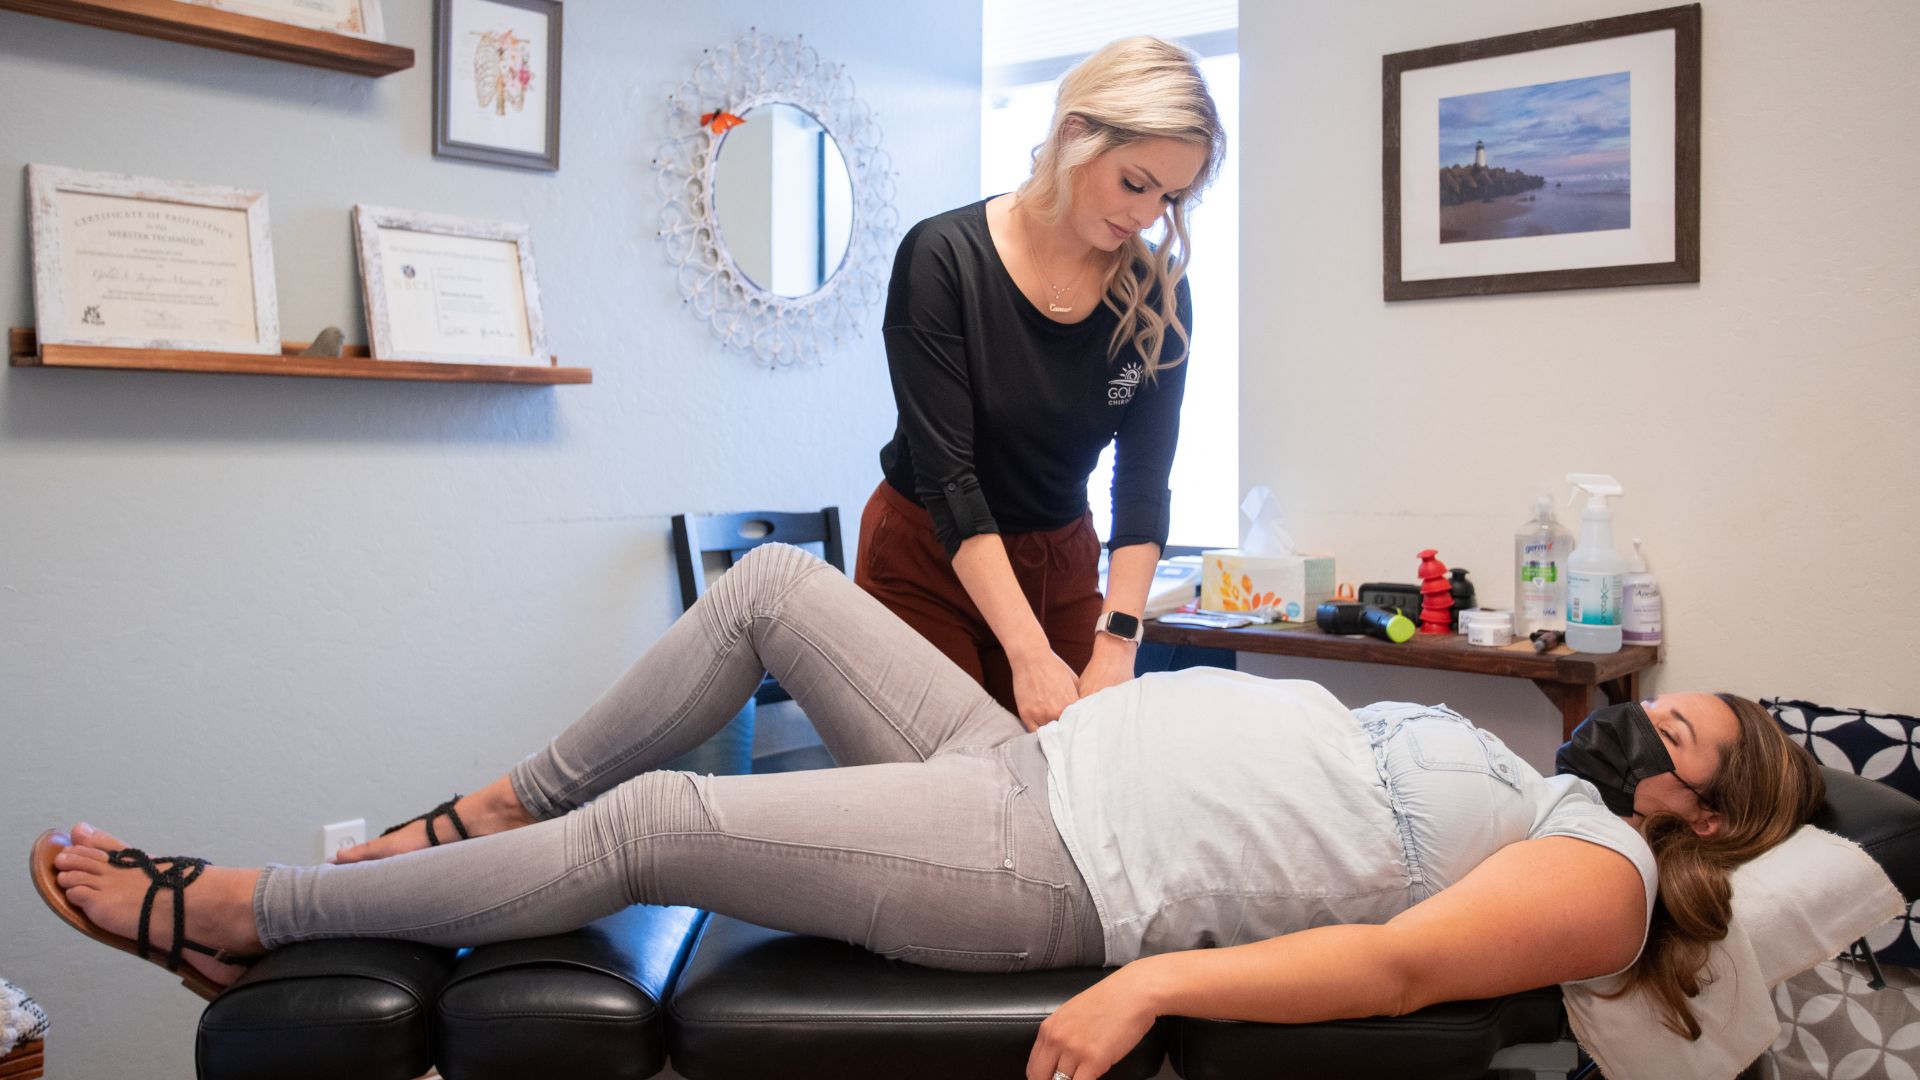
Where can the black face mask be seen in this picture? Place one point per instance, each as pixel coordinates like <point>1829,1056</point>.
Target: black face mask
<point>1614,749</point>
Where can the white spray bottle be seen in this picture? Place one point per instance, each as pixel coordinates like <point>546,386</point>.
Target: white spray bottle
<point>1595,573</point>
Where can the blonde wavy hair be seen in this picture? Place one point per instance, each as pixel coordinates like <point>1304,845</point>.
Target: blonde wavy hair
<point>1132,89</point>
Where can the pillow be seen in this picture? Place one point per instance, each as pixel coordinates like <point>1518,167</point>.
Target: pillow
<point>1879,746</point>
<point>1793,907</point>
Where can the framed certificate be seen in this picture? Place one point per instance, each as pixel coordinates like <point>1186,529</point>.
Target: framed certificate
<point>132,262</point>
<point>360,18</point>
<point>449,289</point>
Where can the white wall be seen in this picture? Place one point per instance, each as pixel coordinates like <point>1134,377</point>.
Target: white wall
<point>1766,422</point>
<point>232,608</point>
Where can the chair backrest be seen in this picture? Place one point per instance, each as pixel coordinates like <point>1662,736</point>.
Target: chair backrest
<point>733,535</point>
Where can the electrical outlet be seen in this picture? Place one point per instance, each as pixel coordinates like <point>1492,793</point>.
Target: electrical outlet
<point>342,834</point>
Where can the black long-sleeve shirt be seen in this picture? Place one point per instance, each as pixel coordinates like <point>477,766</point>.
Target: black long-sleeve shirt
<point>1004,412</point>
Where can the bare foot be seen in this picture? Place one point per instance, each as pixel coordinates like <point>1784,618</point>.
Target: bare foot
<point>494,808</point>
<point>219,903</point>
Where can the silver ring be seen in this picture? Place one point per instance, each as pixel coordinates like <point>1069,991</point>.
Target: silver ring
<point>1058,1075</point>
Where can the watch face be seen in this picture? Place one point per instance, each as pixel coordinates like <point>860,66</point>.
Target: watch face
<point>1121,624</point>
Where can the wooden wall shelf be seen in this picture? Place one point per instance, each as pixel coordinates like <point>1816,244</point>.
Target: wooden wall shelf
<point>1567,678</point>
<point>27,352</point>
<point>194,24</point>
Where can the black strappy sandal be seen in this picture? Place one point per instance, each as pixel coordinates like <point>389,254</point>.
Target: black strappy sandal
<point>433,838</point>
<point>171,872</point>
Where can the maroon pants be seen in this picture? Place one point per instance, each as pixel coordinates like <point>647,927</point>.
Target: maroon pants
<point>902,564</point>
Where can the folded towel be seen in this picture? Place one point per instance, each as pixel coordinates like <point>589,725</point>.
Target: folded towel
<point>21,1020</point>
<point>1799,904</point>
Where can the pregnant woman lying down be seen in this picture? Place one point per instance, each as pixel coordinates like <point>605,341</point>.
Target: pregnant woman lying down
<point>1236,847</point>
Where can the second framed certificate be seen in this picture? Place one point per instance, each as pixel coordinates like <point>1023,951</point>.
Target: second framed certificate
<point>449,289</point>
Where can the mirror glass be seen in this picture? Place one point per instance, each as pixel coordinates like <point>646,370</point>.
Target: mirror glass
<point>784,199</point>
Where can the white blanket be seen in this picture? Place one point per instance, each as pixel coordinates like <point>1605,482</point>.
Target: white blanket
<point>1799,904</point>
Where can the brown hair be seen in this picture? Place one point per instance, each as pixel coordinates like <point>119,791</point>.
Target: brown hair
<point>1132,89</point>
<point>1766,788</point>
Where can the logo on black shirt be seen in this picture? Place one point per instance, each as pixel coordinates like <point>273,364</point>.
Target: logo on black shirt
<point>1120,388</point>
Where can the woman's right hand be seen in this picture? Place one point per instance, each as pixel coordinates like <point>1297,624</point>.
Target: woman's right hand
<point>1043,686</point>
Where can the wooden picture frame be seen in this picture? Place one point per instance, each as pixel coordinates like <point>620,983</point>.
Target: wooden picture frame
<point>138,263</point>
<point>449,289</point>
<point>234,31</point>
<point>1609,195</point>
<point>496,82</point>
<point>354,18</point>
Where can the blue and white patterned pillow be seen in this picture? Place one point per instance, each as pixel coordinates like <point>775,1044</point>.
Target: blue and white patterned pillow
<point>1878,746</point>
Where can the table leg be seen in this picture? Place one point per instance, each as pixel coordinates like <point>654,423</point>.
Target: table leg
<point>1624,688</point>
<point>1570,698</point>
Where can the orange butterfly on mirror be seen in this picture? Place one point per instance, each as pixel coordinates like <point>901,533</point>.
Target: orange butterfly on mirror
<point>721,121</point>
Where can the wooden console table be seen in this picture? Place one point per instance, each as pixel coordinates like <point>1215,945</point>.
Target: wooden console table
<point>1568,678</point>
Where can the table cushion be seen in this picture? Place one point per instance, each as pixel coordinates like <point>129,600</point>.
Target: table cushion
<point>1883,747</point>
<point>322,1010</point>
<point>584,1003</point>
<point>1453,1039</point>
<point>754,1003</point>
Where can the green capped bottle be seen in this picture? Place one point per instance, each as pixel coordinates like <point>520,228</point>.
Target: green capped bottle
<point>1540,551</point>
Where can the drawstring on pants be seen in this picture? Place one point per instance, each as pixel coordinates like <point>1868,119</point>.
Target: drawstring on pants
<point>1045,552</point>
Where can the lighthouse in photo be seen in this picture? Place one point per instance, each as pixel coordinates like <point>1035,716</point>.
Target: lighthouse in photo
<point>1479,154</point>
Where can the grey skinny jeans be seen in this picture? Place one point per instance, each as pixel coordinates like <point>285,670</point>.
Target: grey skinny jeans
<point>935,843</point>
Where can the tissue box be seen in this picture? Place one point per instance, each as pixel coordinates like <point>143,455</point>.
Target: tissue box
<point>1287,588</point>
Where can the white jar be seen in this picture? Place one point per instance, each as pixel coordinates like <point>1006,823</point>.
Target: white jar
<point>1490,628</point>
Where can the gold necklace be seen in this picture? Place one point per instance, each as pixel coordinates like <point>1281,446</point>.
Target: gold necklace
<point>1059,294</point>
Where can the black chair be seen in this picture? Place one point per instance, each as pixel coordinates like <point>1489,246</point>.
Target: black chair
<point>733,535</point>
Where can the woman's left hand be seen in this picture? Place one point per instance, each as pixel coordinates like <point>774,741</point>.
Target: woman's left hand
<point>1093,1030</point>
<point>1111,664</point>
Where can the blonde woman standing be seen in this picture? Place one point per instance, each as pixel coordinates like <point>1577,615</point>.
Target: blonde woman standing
<point>1024,333</point>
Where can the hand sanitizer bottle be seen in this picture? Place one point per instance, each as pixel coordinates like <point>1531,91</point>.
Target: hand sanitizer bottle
<point>1540,551</point>
<point>1595,572</point>
<point>1640,607</point>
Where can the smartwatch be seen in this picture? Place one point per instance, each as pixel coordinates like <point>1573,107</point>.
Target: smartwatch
<point>1120,625</point>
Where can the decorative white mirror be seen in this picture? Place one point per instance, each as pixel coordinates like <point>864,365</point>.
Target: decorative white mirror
<point>783,199</point>
<point>777,200</point>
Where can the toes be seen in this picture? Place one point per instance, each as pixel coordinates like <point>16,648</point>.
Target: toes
<point>75,858</point>
<point>377,848</point>
<point>88,836</point>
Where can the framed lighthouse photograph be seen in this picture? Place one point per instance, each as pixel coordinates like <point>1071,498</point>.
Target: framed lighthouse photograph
<point>1564,158</point>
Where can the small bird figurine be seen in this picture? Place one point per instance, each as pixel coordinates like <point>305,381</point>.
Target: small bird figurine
<point>721,121</point>
<point>327,344</point>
